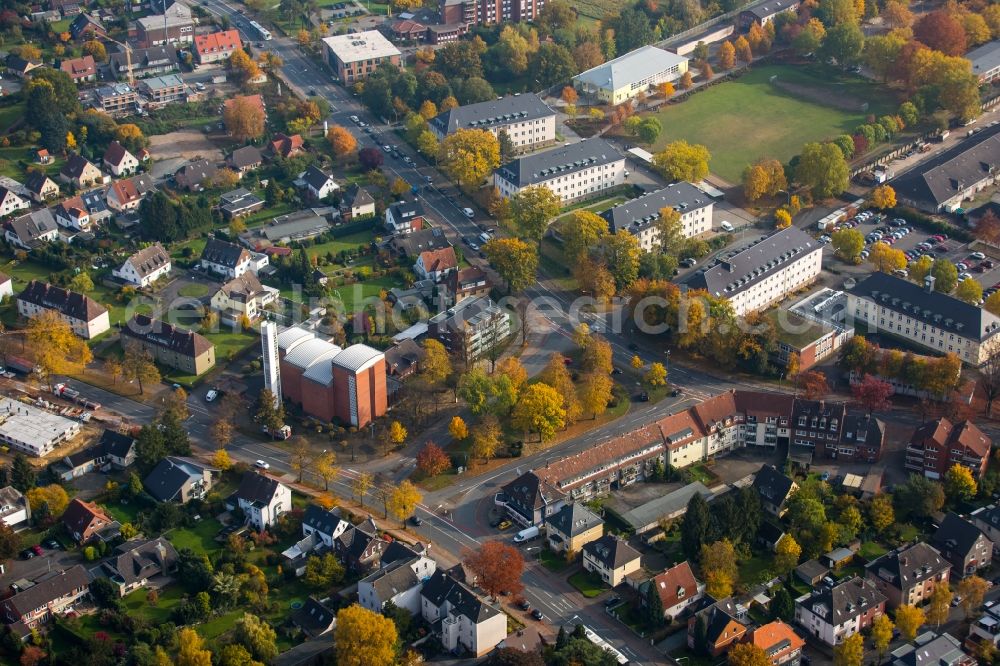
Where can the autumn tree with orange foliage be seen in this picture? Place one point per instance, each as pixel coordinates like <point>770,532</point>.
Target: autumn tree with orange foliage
<point>341,141</point>
<point>498,568</point>
<point>432,460</point>
<point>814,385</point>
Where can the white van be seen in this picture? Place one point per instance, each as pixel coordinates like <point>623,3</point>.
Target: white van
<point>485,237</point>
<point>468,212</point>
<point>725,226</point>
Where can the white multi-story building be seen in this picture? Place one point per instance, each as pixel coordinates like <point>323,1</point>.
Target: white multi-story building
<point>262,500</point>
<point>926,318</point>
<point>226,259</point>
<point>526,119</point>
<point>398,581</point>
<point>640,216</point>
<point>582,170</point>
<point>145,266</point>
<point>764,273</point>
<point>831,614</point>
<point>467,623</point>
<point>355,56</point>
<point>272,362</point>
<point>86,317</point>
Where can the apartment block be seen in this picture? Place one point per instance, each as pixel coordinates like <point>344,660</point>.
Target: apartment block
<point>354,56</point>
<point>528,121</point>
<point>909,574</point>
<point>580,171</point>
<point>488,12</point>
<point>937,445</point>
<point>831,614</point>
<point>472,328</point>
<point>641,216</point>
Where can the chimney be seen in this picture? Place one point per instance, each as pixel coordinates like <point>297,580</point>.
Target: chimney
<point>929,284</point>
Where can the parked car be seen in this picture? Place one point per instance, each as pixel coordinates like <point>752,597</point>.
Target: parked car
<point>505,525</point>
<point>260,464</point>
<point>644,397</point>
<point>416,520</point>
<point>978,255</point>
<point>211,395</point>
<point>537,614</point>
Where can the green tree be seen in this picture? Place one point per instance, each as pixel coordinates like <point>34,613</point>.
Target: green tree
<point>323,572</point>
<point>257,636</point>
<point>22,474</point>
<point>844,43</point>
<point>515,260</point>
<point>695,526</point>
<point>823,169</point>
<point>945,275</point>
<point>581,230</point>
<point>681,160</point>
<point>531,210</point>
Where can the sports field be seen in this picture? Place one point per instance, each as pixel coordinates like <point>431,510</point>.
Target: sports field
<point>751,117</point>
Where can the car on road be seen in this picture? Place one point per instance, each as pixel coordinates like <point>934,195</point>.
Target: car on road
<point>690,262</point>
<point>406,158</point>
<point>416,520</point>
<point>355,119</point>
<point>472,245</point>
<point>27,554</point>
<point>537,614</point>
<point>429,179</point>
<point>312,92</point>
<point>523,604</point>
<point>616,371</point>
<point>468,212</point>
<point>260,464</point>
<point>211,395</point>
<point>676,392</point>
<point>387,148</point>
<point>505,525</point>
<point>199,86</point>
<point>37,550</point>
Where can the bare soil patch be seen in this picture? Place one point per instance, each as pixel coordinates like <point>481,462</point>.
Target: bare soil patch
<point>824,96</point>
<point>189,144</point>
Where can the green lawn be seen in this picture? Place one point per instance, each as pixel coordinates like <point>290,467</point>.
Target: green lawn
<point>193,290</point>
<point>123,513</point>
<point>354,295</point>
<point>587,583</point>
<point>9,115</point>
<point>737,120</point>
<point>870,550</point>
<point>337,245</point>
<point>752,570</point>
<point>552,561</point>
<point>200,538</point>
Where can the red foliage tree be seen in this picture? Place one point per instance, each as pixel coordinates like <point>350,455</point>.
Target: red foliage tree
<point>860,144</point>
<point>872,393</point>
<point>942,32</point>
<point>498,568</point>
<point>32,655</point>
<point>370,158</point>
<point>988,228</point>
<point>904,68</point>
<point>814,386</point>
<point>432,460</point>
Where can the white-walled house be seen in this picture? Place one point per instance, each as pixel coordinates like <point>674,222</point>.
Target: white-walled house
<point>327,525</point>
<point>14,507</point>
<point>145,266</point>
<point>318,184</point>
<point>86,317</point>
<point>399,581</point>
<point>467,623</point>
<point>225,259</point>
<point>11,202</point>
<point>119,161</point>
<point>579,171</point>
<point>262,500</point>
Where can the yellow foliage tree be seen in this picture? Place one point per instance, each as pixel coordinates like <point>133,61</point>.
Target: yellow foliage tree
<point>403,499</point>
<point>191,649</point>
<point>540,410</point>
<point>50,501</point>
<point>57,349</point>
<point>884,197</point>
<point>727,55</point>
<point>242,66</point>
<point>909,619</point>
<point>886,258</point>
<point>221,459</point>
<point>364,638</point>
<point>782,219</point>
<point>656,375</point>
<point>469,155</point>
<point>718,565</point>
<point>787,554</point>
<point>244,120</point>
<point>457,428</point>
<point>428,109</point>
<point>342,142</point>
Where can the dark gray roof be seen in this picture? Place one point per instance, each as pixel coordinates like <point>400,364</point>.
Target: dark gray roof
<point>169,476</point>
<point>772,486</point>
<point>357,196</point>
<point>644,211</point>
<point>223,253</point>
<point>611,551</point>
<point>768,8</point>
<point>528,492</point>
<point>441,587</point>
<point>30,226</point>
<point>315,177</point>
<point>946,174</point>
<point>115,443</point>
<point>985,57</point>
<point>394,579</point>
<point>257,488</point>
<point>956,534</point>
<point>838,604</point>
<point>239,201</point>
<point>560,161</point>
<point>314,618</point>
<point>574,519</point>
<point>404,210</point>
<point>36,181</point>
<point>811,569</point>
<point>320,519</point>
<point>69,303</point>
<point>149,259</point>
<point>717,617</point>
<point>192,175</point>
<point>245,157</point>
<point>762,259</point>
<point>934,308</point>
<point>909,565</point>
<point>492,113</point>
<point>156,56</point>
<point>413,244</point>
<point>49,588</point>
<point>142,558</point>
<point>75,166</point>
<point>930,649</point>
<point>174,338</point>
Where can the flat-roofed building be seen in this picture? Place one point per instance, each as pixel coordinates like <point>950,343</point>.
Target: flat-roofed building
<point>164,89</point>
<point>764,273</point>
<point>985,61</point>
<point>579,171</point>
<point>526,119</point>
<point>640,216</point>
<point>33,431</point>
<point>626,76</point>
<point>355,56</point>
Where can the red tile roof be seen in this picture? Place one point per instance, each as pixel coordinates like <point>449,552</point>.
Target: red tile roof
<point>226,41</point>
<point>442,259</point>
<point>79,68</point>
<point>676,584</point>
<point>773,634</point>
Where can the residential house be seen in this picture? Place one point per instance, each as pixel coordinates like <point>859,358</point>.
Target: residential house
<point>286,146</point>
<point>987,519</point>
<point>677,588</point>
<point>469,282</point>
<point>937,445</point>
<point>779,642</point>
<point>963,544</point>
<point>939,649</point>
<point>179,480</point>
<point>134,562</point>
<point>404,217</point>
<point>42,156</point>
<point>192,177</point>
<point>527,121</point>
<point>80,172</point>
<point>412,244</point>
<point>583,170</point>
<point>611,559</point>
<point>151,61</point>
<point>55,593</point>
<point>774,489</point>
<point>764,11</point>
<point>623,78</point>
<point>471,328</point>
<point>40,187</point>
<point>529,500</point>
<point>315,618</point>
<point>86,521</point>
<point>10,202</point>
<point>15,509</point>
<point>716,627</point>
<point>466,623</point>
<point>436,264</point>
<point>174,25</point>
<point>909,574</point>
<point>360,547</point>
<point>262,500</point>
<point>86,26</point>
<point>81,70</point>
<point>31,230</point>
<point>242,297</point>
<point>225,259</point>
<point>245,159</point>
<point>403,358</point>
<point>356,203</point>
<point>72,214</point>
<point>144,267</point>
<point>216,46</point>
<point>126,194</point>
<point>327,525</point>
<point>353,57</point>
<point>831,614</point>
<point>112,451</point>
<point>399,581</point>
<point>118,100</point>
<point>764,273</point>
<point>86,317</point>
<point>987,627</point>
<point>985,61</point>
<point>572,527</point>
<point>318,185</point>
<point>170,345</point>
<point>19,67</point>
<point>239,202</point>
